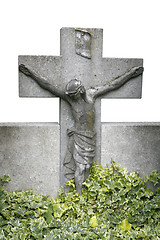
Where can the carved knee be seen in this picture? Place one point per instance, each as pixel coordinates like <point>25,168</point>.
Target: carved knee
<point>80,168</point>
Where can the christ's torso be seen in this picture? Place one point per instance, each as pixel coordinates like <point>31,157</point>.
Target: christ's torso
<point>84,115</point>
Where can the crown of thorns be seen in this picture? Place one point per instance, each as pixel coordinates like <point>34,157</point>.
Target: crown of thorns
<point>73,86</point>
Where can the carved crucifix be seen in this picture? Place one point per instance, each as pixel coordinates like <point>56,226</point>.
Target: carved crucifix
<point>80,77</point>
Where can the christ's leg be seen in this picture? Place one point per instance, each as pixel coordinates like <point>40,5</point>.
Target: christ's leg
<point>88,168</point>
<point>87,171</point>
<point>79,176</point>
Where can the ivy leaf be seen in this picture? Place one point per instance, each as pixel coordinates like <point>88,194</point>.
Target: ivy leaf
<point>154,177</point>
<point>125,225</point>
<point>5,178</point>
<point>48,214</point>
<point>93,222</point>
<point>146,178</point>
<point>3,206</point>
<point>59,210</point>
<point>2,235</point>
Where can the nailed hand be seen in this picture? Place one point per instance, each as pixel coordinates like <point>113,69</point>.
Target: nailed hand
<point>137,71</point>
<point>24,69</point>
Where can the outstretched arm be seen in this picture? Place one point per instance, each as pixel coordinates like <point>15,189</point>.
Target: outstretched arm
<point>42,82</point>
<point>117,82</point>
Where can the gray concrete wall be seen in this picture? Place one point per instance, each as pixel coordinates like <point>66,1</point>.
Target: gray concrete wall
<point>135,146</point>
<point>30,152</point>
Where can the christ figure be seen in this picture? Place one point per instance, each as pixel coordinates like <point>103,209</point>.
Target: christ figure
<point>82,136</point>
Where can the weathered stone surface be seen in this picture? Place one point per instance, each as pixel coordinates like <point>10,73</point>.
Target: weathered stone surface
<point>29,154</point>
<point>135,146</point>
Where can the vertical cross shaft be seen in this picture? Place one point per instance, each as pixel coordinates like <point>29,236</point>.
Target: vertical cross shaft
<point>86,70</point>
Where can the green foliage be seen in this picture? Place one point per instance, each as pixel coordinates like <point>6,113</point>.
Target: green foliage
<point>5,178</point>
<point>125,225</point>
<point>93,222</point>
<point>114,205</point>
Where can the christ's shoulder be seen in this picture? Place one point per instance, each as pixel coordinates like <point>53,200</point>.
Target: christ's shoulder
<point>90,94</point>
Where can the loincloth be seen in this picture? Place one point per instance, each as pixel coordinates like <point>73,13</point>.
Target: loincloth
<point>81,149</point>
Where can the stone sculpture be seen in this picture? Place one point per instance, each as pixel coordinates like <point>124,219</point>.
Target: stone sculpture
<point>82,136</point>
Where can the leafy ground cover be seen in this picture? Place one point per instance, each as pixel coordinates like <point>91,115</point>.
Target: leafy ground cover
<point>114,205</point>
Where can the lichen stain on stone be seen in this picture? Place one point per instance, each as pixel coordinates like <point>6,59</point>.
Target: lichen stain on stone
<point>90,120</point>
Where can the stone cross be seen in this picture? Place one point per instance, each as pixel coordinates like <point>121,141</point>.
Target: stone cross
<point>81,61</point>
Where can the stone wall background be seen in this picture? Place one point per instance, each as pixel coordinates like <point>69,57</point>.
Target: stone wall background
<point>30,152</point>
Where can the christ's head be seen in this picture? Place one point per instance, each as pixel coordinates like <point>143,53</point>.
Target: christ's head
<point>74,89</point>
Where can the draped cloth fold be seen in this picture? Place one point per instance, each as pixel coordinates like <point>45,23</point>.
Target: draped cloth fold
<point>81,149</point>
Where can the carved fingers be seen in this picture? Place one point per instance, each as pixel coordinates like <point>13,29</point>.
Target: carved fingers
<point>24,69</point>
<point>137,71</point>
